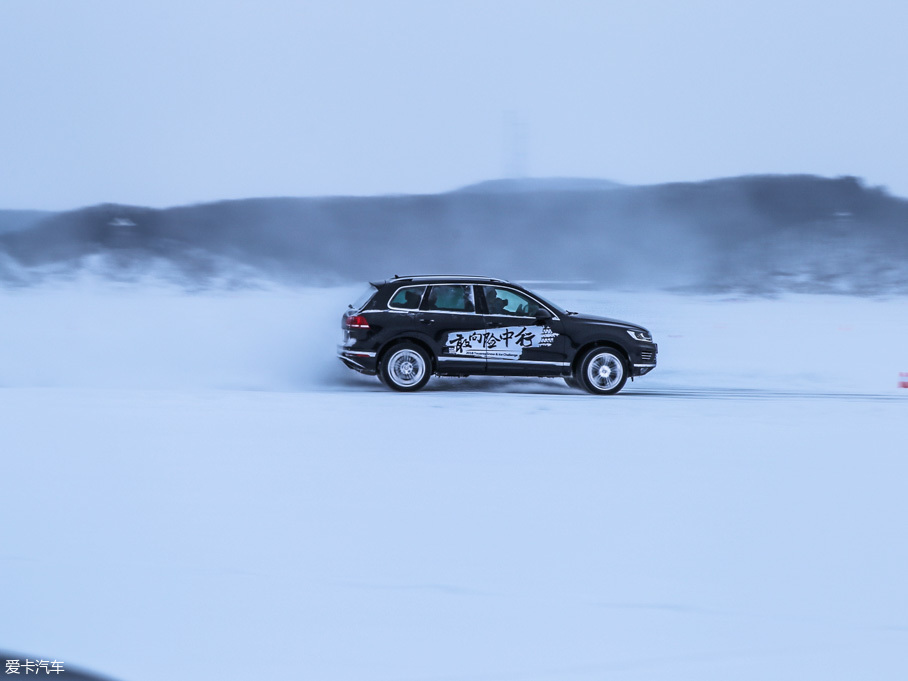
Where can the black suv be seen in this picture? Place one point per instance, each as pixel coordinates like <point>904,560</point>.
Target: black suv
<point>408,328</point>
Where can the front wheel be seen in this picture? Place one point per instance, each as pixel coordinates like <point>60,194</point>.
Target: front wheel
<point>405,367</point>
<point>603,371</point>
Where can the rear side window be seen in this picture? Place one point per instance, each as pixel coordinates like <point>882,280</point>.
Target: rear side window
<point>450,298</point>
<point>407,298</point>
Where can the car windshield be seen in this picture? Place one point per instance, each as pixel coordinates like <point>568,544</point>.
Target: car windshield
<point>548,303</point>
<point>364,298</point>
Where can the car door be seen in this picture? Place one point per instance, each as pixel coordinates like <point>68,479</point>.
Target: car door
<point>518,342</point>
<point>448,314</point>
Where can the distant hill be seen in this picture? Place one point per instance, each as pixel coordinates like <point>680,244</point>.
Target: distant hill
<point>12,220</point>
<point>758,234</point>
<point>539,184</point>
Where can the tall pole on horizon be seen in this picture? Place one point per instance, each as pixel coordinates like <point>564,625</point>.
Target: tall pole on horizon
<point>514,145</point>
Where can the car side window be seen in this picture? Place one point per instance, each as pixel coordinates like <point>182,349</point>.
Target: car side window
<point>449,298</point>
<point>407,298</point>
<point>504,301</point>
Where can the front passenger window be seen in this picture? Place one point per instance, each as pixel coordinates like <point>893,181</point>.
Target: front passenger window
<point>504,301</point>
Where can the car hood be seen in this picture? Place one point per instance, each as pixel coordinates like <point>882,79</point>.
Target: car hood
<point>594,319</point>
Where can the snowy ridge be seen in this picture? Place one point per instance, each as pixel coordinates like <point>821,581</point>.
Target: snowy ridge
<point>759,235</point>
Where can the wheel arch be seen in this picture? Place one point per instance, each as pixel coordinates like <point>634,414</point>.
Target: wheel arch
<point>416,340</point>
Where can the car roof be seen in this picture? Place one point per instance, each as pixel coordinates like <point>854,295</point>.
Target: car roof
<point>439,278</point>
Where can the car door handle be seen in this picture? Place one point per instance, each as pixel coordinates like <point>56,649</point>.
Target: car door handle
<point>426,321</point>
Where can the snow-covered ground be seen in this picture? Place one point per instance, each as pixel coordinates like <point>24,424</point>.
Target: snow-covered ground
<point>194,487</point>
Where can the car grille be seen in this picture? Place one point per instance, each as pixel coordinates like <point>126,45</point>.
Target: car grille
<point>647,356</point>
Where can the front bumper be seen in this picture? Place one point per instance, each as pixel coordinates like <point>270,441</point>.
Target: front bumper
<point>644,360</point>
<point>358,360</point>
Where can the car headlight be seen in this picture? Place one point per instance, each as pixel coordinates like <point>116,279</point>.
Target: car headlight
<point>640,335</point>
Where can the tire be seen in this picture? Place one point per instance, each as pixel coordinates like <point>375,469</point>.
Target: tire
<point>603,371</point>
<point>405,367</point>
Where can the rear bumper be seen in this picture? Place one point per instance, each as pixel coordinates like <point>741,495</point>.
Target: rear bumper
<point>358,360</point>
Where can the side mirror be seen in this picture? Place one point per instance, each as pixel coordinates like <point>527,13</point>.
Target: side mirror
<point>543,315</point>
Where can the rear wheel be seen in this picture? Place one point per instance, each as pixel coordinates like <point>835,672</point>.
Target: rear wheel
<point>603,371</point>
<point>405,367</point>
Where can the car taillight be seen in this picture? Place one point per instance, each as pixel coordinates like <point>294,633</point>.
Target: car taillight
<point>356,322</point>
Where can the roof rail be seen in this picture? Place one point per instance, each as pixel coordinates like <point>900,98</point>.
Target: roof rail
<point>464,277</point>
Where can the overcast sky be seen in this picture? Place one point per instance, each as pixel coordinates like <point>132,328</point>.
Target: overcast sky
<point>169,102</point>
